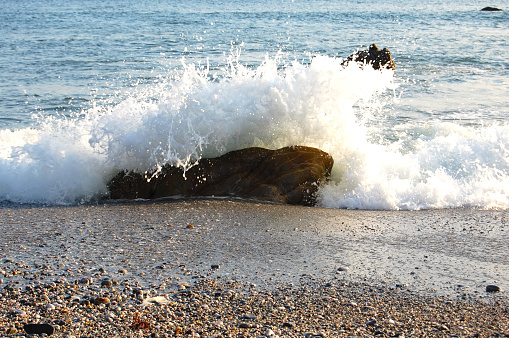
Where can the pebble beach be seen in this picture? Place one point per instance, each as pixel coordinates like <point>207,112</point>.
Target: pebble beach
<point>232,268</point>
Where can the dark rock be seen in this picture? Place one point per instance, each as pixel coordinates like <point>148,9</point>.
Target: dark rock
<point>493,288</point>
<point>39,329</point>
<point>491,9</point>
<point>290,325</point>
<point>287,175</point>
<point>107,283</point>
<point>249,316</point>
<point>375,57</point>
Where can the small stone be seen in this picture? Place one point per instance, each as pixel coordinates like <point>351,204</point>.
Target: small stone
<point>269,333</point>
<point>87,281</point>
<point>248,316</point>
<point>101,300</point>
<point>39,329</point>
<point>85,302</point>
<point>367,308</point>
<point>342,269</point>
<point>12,330</point>
<point>245,325</point>
<point>290,325</point>
<point>124,271</point>
<point>190,226</point>
<point>371,322</point>
<point>50,307</point>
<point>493,288</point>
<point>107,283</point>
<point>443,328</point>
<point>19,312</point>
<point>214,266</point>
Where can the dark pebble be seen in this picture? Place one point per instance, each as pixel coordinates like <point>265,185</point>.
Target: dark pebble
<point>85,302</point>
<point>493,288</point>
<point>288,324</point>
<point>39,329</point>
<point>107,283</point>
<point>248,316</point>
<point>245,325</point>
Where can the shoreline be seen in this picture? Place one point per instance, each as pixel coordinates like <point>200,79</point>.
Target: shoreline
<point>227,254</point>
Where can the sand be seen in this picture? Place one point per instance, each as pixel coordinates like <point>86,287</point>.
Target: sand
<point>301,270</point>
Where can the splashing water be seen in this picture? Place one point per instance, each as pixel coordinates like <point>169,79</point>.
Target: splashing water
<point>195,113</point>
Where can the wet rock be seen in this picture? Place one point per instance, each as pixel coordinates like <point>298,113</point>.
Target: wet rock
<point>39,329</point>
<point>493,288</point>
<point>86,281</point>
<point>491,9</point>
<point>375,57</point>
<point>107,283</point>
<point>101,300</point>
<point>249,316</point>
<point>288,175</point>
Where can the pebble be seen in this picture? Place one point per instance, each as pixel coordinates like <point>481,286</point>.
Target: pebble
<point>249,316</point>
<point>270,334</point>
<point>100,300</point>
<point>493,288</point>
<point>107,283</point>
<point>39,329</point>
<point>87,281</point>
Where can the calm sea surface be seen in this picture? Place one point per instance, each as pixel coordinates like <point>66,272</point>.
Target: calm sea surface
<point>91,87</point>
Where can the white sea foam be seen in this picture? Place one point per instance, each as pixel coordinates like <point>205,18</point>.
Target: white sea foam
<point>193,113</point>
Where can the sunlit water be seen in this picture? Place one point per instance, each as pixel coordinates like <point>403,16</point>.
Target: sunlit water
<point>90,88</point>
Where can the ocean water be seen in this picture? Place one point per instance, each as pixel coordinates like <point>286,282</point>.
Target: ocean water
<point>88,88</point>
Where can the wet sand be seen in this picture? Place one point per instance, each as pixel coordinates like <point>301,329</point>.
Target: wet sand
<point>375,271</point>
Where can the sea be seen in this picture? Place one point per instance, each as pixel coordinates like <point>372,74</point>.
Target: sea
<point>92,87</point>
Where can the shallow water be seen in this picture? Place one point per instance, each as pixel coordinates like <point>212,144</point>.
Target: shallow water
<point>88,90</point>
<point>456,253</point>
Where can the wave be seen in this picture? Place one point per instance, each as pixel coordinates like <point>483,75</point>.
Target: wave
<point>196,112</point>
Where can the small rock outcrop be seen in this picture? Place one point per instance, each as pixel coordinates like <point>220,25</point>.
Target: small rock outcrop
<point>288,175</point>
<point>375,57</point>
<point>491,9</point>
